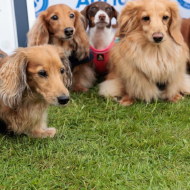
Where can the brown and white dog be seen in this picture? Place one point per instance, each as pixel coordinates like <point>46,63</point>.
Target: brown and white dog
<point>101,34</point>
<point>62,26</point>
<point>30,80</point>
<point>150,58</point>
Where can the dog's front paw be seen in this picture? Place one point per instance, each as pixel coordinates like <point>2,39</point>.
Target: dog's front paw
<point>44,133</point>
<point>176,98</point>
<point>126,101</point>
<point>49,132</point>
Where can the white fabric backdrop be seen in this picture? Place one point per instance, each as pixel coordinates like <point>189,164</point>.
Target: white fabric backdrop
<point>41,5</point>
<point>8,34</point>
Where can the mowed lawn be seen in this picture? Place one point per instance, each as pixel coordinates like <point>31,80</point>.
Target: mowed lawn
<point>101,145</point>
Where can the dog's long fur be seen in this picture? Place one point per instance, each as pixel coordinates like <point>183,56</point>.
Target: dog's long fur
<point>139,63</point>
<point>48,31</point>
<point>25,94</point>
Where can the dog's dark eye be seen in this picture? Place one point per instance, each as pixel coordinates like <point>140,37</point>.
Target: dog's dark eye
<point>165,17</point>
<point>108,9</point>
<point>146,18</point>
<point>62,70</point>
<point>42,73</point>
<point>72,15</point>
<point>54,17</point>
<point>93,8</point>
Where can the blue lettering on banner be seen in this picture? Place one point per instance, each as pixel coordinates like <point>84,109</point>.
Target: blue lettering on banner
<point>119,1</point>
<point>122,3</point>
<point>40,5</point>
<point>82,3</point>
<point>184,4</point>
<point>92,1</point>
<point>87,2</point>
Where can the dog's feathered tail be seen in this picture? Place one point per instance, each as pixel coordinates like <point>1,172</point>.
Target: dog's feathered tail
<point>111,88</point>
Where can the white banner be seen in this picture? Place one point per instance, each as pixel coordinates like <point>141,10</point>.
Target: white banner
<point>41,5</point>
<point>8,34</point>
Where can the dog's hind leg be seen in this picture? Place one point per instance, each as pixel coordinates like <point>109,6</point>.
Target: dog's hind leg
<point>111,88</point>
<point>175,87</point>
<point>185,86</point>
<point>83,77</point>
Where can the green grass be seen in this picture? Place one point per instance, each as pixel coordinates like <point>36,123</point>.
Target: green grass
<point>101,145</point>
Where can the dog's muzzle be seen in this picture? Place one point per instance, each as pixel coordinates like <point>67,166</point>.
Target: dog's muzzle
<point>68,31</point>
<point>158,37</point>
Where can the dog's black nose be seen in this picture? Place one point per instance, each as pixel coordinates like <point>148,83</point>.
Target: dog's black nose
<point>68,31</point>
<point>157,36</point>
<point>63,99</point>
<point>158,39</point>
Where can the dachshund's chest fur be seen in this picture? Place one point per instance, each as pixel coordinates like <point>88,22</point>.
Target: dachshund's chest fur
<point>68,46</point>
<point>156,62</point>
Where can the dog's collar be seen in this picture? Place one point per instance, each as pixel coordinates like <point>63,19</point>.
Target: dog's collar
<point>74,61</point>
<point>117,39</point>
<point>107,49</point>
<point>101,58</point>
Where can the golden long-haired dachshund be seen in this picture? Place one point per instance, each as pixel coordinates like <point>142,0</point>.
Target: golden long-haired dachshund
<point>30,80</point>
<point>62,26</point>
<point>149,61</point>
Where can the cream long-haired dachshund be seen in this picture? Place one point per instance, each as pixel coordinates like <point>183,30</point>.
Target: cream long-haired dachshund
<point>30,80</point>
<point>62,26</point>
<point>149,61</point>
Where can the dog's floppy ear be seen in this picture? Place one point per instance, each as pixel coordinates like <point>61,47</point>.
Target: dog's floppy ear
<point>175,23</point>
<point>115,13</point>
<point>84,13</point>
<point>68,78</point>
<point>80,37</point>
<point>13,80</point>
<point>128,18</point>
<point>38,34</point>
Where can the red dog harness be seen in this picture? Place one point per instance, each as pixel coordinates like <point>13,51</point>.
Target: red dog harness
<point>101,57</point>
